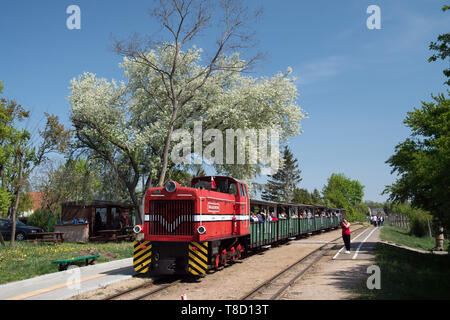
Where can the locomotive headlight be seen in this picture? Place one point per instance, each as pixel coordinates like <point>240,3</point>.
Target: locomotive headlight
<point>138,228</point>
<point>171,186</point>
<point>201,230</point>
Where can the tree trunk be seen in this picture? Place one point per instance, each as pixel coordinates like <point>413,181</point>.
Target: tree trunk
<point>1,239</point>
<point>140,213</point>
<point>165,162</point>
<point>16,201</point>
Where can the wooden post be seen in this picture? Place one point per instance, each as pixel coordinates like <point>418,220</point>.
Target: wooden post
<point>440,239</point>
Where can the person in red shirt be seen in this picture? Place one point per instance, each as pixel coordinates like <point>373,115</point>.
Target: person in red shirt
<point>345,225</point>
<point>274,218</point>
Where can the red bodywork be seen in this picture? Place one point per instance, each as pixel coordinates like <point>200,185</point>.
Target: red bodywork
<point>177,216</point>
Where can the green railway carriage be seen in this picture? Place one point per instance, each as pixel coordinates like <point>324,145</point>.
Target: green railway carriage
<point>294,220</point>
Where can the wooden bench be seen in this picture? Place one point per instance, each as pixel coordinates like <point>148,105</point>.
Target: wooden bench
<point>46,237</point>
<point>64,264</point>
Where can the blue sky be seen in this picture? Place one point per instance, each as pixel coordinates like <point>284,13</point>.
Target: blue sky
<point>356,84</point>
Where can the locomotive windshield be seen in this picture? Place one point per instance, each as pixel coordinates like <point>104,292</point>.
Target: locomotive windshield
<point>221,185</point>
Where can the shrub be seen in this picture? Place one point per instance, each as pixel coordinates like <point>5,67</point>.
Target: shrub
<point>44,219</point>
<point>418,225</point>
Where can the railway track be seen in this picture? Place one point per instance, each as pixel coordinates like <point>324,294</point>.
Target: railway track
<point>144,290</point>
<point>274,287</point>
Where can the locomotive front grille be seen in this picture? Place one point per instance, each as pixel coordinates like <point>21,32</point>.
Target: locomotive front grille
<point>171,217</point>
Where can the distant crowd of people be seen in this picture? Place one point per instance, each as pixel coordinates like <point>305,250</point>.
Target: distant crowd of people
<point>377,221</point>
<point>263,216</point>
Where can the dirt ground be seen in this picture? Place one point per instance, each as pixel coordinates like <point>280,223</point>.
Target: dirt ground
<point>234,281</point>
<point>330,280</point>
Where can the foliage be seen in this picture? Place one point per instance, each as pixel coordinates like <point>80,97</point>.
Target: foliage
<point>43,218</point>
<point>20,155</point>
<point>442,48</point>
<point>305,197</point>
<point>5,201</point>
<point>418,218</point>
<point>343,192</point>
<point>25,203</point>
<point>75,180</point>
<point>281,186</point>
<point>316,198</point>
<point>422,161</point>
<point>124,127</point>
<point>302,196</point>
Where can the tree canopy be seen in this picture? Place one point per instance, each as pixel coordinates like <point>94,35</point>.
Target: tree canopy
<point>282,185</point>
<point>442,49</point>
<point>343,192</point>
<point>422,161</point>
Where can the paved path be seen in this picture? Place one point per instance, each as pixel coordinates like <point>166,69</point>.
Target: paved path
<point>65,284</point>
<point>338,276</point>
<point>362,246</point>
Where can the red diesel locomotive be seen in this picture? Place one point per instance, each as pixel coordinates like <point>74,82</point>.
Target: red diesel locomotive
<point>188,230</point>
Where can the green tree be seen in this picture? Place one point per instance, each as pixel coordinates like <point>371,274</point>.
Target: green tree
<point>442,48</point>
<point>316,198</point>
<point>20,154</point>
<point>281,186</point>
<point>343,192</point>
<point>25,203</point>
<point>75,180</point>
<point>302,196</point>
<point>422,161</point>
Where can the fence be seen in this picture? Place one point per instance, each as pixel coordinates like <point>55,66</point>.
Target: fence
<point>399,221</point>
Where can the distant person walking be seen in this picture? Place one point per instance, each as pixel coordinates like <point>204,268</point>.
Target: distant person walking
<point>374,221</point>
<point>345,225</point>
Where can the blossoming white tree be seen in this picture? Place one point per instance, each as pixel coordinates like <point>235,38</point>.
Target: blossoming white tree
<point>170,85</point>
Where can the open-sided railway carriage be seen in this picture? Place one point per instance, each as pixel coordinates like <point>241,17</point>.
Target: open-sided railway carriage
<point>188,230</point>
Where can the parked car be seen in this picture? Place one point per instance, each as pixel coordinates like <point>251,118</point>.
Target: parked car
<point>22,230</point>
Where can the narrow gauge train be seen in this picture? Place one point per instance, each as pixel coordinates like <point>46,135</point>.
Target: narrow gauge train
<point>189,230</point>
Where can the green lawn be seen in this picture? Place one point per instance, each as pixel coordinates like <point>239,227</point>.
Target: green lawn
<point>407,274</point>
<point>27,260</point>
<point>402,237</point>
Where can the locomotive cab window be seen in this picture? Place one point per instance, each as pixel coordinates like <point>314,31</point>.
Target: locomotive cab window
<point>232,189</point>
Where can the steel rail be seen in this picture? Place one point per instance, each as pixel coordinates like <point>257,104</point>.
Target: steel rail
<point>139,287</point>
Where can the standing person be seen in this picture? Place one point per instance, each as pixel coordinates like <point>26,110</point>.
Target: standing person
<point>345,225</point>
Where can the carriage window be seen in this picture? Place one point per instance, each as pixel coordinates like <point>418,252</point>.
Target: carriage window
<point>245,190</point>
